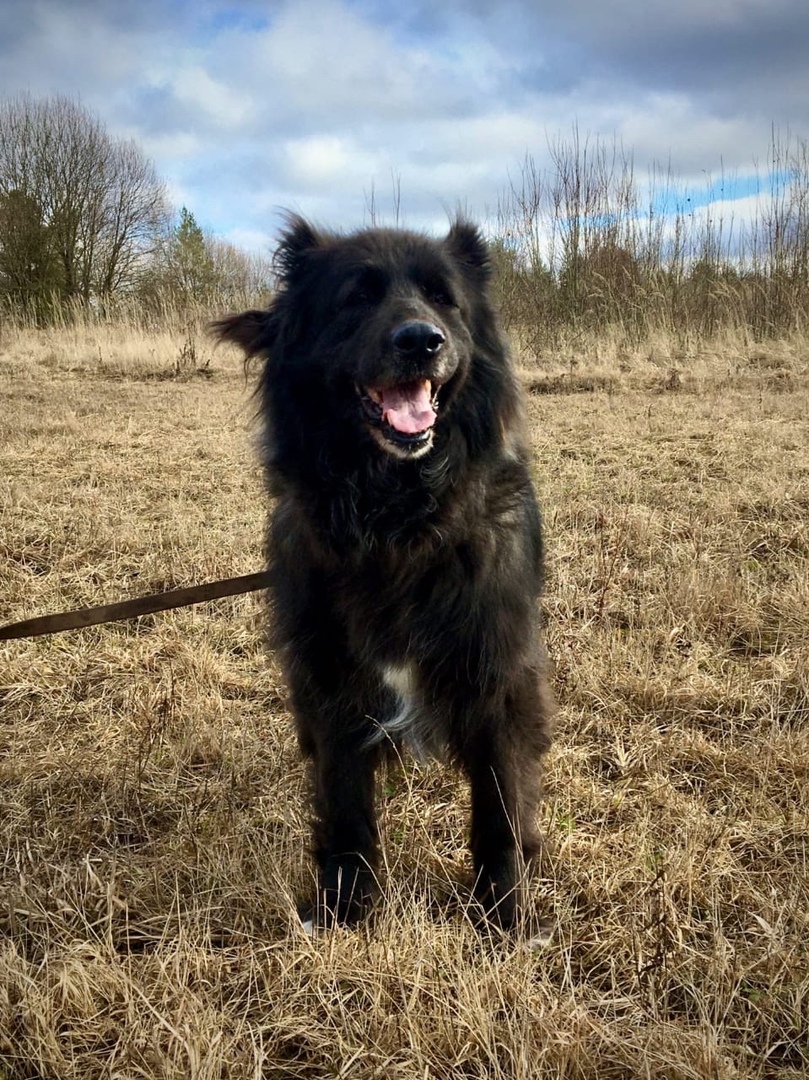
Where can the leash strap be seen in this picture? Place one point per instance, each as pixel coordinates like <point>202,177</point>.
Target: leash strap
<point>130,609</point>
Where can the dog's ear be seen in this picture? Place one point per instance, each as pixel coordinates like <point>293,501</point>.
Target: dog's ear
<point>297,240</point>
<point>253,332</point>
<point>467,246</point>
<point>257,333</point>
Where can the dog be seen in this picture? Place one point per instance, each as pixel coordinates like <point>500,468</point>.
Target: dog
<point>405,546</point>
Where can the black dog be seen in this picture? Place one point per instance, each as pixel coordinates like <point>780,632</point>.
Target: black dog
<point>405,546</point>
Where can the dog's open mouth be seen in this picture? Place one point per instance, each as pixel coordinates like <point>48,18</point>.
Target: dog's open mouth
<point>403,414</point>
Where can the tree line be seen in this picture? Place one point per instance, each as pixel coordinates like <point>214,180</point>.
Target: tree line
<point>579,246</point>
<point>85,220</point>
<point>582,246</point>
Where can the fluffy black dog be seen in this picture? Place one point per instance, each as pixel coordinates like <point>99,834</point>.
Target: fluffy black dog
<point>405,546</point>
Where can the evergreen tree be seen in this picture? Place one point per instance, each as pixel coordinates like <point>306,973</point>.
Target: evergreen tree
<point>191,268</point>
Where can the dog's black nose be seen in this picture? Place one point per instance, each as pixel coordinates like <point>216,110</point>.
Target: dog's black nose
<point>417,338</point>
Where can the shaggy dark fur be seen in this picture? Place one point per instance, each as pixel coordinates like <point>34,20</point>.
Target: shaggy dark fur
<point>405,546</point>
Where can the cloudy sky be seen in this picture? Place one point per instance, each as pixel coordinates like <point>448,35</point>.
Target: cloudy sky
<point>251,106</point>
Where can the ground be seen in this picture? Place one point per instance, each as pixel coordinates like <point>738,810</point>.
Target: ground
<point>152,810</point>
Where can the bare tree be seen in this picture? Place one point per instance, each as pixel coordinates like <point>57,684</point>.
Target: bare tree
<point>100,202</point>
<point>239,274</point>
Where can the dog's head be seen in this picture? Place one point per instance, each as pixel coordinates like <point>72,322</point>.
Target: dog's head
<point>372,333</point>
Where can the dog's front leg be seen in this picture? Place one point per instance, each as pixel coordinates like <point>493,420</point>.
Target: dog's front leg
<point>502,758</point>
<point>494,840</point>
<point>345,828</point>
<point>331,698</point>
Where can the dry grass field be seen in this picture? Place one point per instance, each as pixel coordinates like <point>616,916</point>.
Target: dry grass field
<point>152,816</point>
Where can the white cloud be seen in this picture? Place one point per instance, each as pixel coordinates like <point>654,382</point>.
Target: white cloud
<point>250,240</point>
<point>326,159</point>
<point>325,100</point>
<point>168,147</point>
<point>224,105</point>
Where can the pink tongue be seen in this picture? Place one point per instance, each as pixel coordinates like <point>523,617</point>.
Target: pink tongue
<point>407,408</point>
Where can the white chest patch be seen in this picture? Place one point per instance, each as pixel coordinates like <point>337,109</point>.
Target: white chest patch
<point>401,680</point>
<point>402,722</point>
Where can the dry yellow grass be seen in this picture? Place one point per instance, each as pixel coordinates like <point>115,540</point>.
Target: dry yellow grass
<point>151,797</point>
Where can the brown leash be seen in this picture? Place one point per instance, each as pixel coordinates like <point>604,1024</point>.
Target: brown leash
<point>130,609</point>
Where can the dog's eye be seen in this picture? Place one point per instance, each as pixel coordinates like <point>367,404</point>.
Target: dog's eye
<point>369,288</point>
<point>438,295</point>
